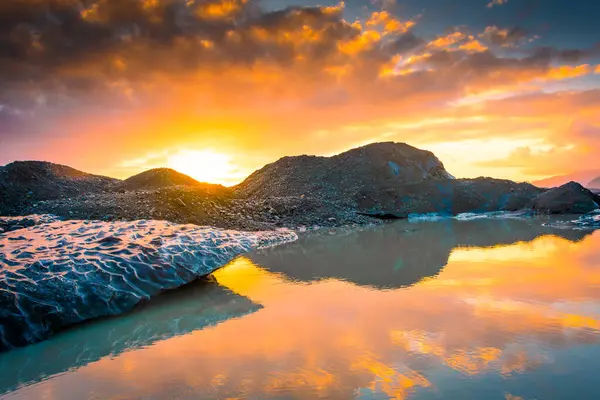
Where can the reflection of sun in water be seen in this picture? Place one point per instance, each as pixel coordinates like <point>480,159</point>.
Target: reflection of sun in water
<point>204,166</point>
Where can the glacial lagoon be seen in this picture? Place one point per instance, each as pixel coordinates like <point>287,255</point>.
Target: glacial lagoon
<point>475,309</point>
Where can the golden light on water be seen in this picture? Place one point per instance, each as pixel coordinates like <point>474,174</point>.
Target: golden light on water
<point>334,338</point>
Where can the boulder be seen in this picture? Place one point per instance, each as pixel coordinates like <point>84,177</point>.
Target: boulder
<point>571,198</point>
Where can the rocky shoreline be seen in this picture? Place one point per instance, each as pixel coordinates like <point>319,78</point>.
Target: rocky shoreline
<point>359,187</point>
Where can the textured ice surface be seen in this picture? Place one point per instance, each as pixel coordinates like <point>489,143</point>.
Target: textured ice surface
<point>493,214</point>
<point>467,216</point>
<point>61,273</point>
<point>586,221</point>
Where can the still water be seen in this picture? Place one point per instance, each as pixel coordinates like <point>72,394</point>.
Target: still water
<point>484,309</point>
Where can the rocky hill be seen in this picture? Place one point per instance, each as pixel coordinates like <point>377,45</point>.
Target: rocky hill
<point>385,180</point>
<point>159,178</point>
<point>378,166</point>
<point>381,180</point>
<point>25,182</point>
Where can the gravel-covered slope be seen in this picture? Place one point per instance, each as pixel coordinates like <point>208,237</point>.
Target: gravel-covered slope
<point>385,180</point>
<point>377,166</point>
<point>25,182</point>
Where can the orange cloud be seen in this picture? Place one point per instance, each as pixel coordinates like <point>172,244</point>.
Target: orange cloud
<point>496,3</point>
<point>389,23</point>
<point>259,85</point>
<point>503,36</point>
<point>473,45</point>
<point>568,72</point>
<point>448,40</point>
<point>219,9</point>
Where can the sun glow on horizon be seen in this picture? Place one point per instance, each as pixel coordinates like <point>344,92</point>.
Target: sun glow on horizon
<point>205,166</point>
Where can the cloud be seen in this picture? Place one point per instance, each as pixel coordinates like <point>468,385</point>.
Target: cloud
<point>389,23</point>
<point>569,72</point>
<point>230,75</point>
<point>473,45</point>
<point>494,3</point>
<point>506,37</point>
<point>108,51</point>
<point>570,125</point>
<point>569,56</point>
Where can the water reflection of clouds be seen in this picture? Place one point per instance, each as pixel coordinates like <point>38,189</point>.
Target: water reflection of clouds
<point>501,310</point>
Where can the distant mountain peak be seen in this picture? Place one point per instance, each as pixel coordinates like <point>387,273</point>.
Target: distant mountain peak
<point>594,184</point>
<point>25,182</point>
<point>581,177</point>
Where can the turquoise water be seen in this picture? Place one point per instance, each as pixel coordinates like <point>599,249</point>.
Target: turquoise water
<point>483,309</point>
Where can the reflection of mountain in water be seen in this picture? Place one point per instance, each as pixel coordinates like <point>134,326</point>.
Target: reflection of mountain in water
<point>192,307</point>
<point>396,255</point>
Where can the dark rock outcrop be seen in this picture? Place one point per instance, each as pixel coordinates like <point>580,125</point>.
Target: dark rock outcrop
<point>375,167</point>
<point>384,180</point>
<point>25,182</point>
<point>571,198</point>
<point>160,178</point>
<point>453,196</point>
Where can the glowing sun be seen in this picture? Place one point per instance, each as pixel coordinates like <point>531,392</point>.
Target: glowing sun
<point>204,166</point>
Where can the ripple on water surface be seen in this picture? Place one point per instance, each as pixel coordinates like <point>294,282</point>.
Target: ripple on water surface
<point>475,309</point>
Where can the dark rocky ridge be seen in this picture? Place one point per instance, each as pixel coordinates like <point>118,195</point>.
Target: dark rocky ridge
<point>25,182</point>
<point>378,166</point>
<point>383,180</point>
<point>571,198</point>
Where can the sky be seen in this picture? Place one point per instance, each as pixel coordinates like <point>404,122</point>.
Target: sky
<point>219,88</point>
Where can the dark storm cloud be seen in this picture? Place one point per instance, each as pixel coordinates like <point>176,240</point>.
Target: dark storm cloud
<point>567,55</point>
<point>57,51</point>
<point>504,37</point>
<point>405,43</point>
<point>39,37</point>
